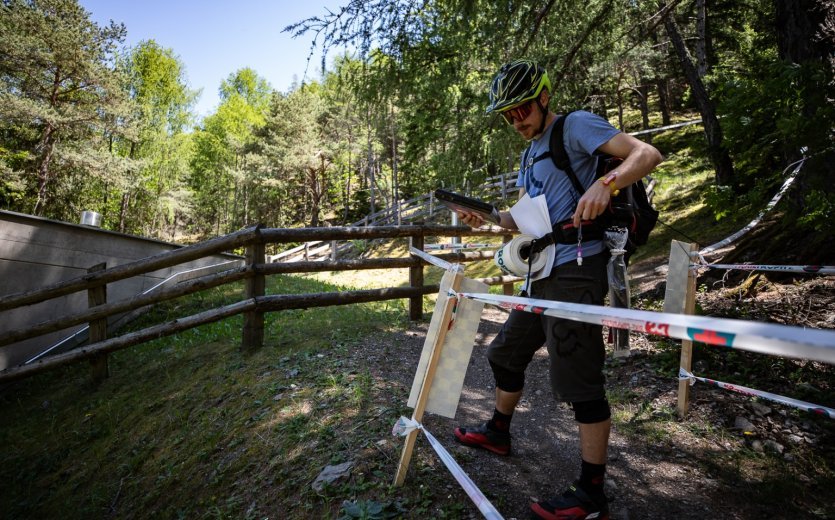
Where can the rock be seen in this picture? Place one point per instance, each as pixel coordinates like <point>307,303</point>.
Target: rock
<point>796,439</point>
<point>760,409</point>
<point>773,446</point>
<point>743,424</point>
<point>331,474</point>
<point>757,446</point>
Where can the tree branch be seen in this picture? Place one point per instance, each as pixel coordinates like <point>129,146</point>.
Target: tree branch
<point>539,18</point>
<point>577,46</point>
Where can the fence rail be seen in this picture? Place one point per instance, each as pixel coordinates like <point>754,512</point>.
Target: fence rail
<point>254,303</point>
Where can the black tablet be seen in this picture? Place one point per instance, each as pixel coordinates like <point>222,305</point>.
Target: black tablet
<point>457,202</point>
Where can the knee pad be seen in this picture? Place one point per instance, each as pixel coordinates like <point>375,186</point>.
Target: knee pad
<point>590,412</point>
<point>506,380</point>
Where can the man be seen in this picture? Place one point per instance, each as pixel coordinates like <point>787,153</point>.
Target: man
<point>520,92</point>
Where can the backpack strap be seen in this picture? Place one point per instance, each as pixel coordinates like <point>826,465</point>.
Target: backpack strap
<point>556,145</point>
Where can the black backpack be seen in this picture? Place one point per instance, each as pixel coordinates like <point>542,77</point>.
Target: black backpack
<point>630,208</point>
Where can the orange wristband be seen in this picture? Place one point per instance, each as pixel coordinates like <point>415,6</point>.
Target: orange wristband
<point>609,181</point>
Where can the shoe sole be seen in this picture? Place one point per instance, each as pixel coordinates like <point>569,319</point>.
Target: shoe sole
<point>570,514</point>
<point>493,449</point>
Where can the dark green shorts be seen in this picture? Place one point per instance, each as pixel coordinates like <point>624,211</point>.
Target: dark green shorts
<point>576,349</point>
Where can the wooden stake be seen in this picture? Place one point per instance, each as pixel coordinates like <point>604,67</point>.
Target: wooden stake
<point>426,385</point>
<point>252,337</point>
<point>416,280</point>
<point>98,328</point>
<point>680,298</point>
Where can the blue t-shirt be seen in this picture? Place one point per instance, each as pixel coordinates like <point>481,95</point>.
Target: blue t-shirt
<point>583,133</point>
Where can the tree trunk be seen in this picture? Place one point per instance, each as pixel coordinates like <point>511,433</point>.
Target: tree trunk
<point>799,23</point>
<point>47,144</point>
<point>643,93</point>
<point>123,211</point>
<point>620,109</point>
<point>713,132</point>
<point>371,183</point>
<point>395,184</point>
<point>701,38</point>
<point>663,88</point>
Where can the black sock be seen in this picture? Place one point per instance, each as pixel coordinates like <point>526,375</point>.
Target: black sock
<point>592,477</point>
<point>500,422</point>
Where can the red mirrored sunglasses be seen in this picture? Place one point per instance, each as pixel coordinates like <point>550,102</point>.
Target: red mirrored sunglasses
<point>518,113</point>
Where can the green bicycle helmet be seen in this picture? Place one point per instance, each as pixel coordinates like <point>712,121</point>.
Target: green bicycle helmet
<point>515,83</point>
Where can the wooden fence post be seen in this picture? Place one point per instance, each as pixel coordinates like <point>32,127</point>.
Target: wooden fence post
<point>416,280</point>
<point>98,328</point>
<point>680,298</point>
<point>253,332</point>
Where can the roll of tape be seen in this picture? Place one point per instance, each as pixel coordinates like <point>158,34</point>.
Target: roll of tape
<point>511,260</point>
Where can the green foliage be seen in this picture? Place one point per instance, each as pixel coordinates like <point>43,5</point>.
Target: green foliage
<point>721,200</point>
<point>821,211</point>
<point>225,179</point>
<point>773,109</point>
<point>774,112</point>
<point>400,116</point>
<point>246,83</point>
<point>155,80</point>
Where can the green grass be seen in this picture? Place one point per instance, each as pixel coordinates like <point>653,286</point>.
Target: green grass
<point>189,427</point>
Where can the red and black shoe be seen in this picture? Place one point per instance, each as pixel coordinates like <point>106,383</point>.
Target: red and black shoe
<point>484,437</point>
<point>574,504</point>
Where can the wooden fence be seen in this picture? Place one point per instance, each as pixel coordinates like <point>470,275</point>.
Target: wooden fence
<point>255,301</point>
<point>422,208</point>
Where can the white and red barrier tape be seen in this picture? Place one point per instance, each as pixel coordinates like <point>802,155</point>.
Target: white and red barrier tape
<point>432,259</point>
<point>405,425</point>
<point>437,247</point>
<point>807,269</point>
<point>802,405</point>
<point>763,338</point>
<point>774,200</point>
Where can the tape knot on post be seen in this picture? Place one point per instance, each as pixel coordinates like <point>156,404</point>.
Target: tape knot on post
<point>684,375</point>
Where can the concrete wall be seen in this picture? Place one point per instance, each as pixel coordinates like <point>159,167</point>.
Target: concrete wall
<point>36,252</point>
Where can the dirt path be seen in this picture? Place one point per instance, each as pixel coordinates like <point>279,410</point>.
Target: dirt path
<point>643,481</point>
<point>670,469</point>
